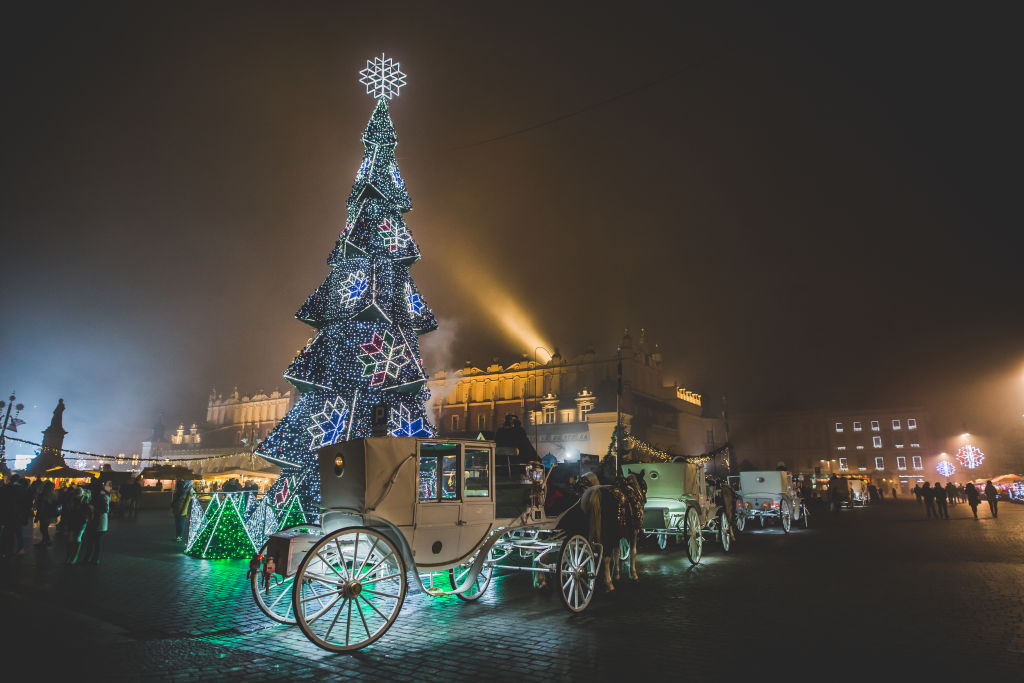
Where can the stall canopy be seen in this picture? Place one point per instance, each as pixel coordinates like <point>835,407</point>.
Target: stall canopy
<point>164,472</point>
<point>65,472</point>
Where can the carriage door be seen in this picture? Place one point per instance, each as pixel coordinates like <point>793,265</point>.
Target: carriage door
<point>436,536</point>
<point>477,496</point>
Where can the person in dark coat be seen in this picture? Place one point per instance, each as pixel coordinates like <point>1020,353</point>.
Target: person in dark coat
<point>973,498</point>
<point>942,512</point>
<point>75,515</point>
<point>46,511</point>
<point>992,496</point>
<point>97,526</point>
<point>917,492</point>
<point>928,496</point>
<point>951,493</point>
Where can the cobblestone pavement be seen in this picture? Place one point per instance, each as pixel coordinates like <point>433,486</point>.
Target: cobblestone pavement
<point>868,592</point>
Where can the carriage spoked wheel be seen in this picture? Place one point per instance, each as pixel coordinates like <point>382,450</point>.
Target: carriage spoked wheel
<point>694,538</point>
<point>786,515</point>
<point>662,540</point>
<point>723,532</point>
<point>624,548</point>
<point>762,519</point>
<point>577,573</point>
<point>804,515</point>
<point>276,599</point>
<point>351,586</point>
<point>741,520</point>
<point>482,581</point>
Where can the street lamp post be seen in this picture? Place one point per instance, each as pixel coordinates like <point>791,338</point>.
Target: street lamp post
<point>4,470</point>
<point>536,400</point>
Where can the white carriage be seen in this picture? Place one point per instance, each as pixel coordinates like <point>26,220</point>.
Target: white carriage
<point>682,506</point>
<point>769,495</point>
<point>433,506</point>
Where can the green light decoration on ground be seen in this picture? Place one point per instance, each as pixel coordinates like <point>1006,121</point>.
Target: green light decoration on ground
<point>292,514</point>
<point>222,534</point>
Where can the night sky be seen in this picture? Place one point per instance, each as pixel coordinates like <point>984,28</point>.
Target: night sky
<point>809,206</point>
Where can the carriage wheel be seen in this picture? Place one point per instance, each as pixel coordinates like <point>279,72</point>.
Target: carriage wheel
<point>785,515</point>
<point>741,520</point>
<point>694,538</point>
<point>483,579</point>
<point>763,519</point>
<point>577,573</point>
<point>804,515</point>
<point>723,532</point>
<point>662,539</point>
<point>624,548</point>
<point>277,603</point>
<point>351,587</point>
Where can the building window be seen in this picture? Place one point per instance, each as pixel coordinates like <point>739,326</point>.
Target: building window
<point>911,423</point>
<point>916,462</point>
<point>879,463</point>
<point>899,445</point>
<point>843,467</point>
<point>860,448</point>
<point>901,462</point>
<point>455,423</point>
<point>876,441</point>
<point>874,425</point>
<point>549,415</point>
<point>481,423</point>
<point>839,426</point>
<point>857,427</point>
<point>895,424</point>
<point>585,412</point>
<point>840,448</point>
<point>915,445</point>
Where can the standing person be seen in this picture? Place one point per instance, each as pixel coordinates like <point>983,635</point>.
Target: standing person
<point>179,506</point>
<point>894,493</point>
<point>75,517</point>
<point>973,498</point>
<point>98,524</point>
<point>951,493</point>
<point>942,512</point>
<point>917,492</point>
<point>928,496</point>
<point>7,517</point>
<point>992,496</point>
<point>46,511</point>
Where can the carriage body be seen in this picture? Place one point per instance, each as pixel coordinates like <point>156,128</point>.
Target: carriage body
<point>769,495</point>
<point>395,504</point>
<point>680,505</point>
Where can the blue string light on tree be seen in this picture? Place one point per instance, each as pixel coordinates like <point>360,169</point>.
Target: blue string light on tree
<point>970,456</point>
<point>368,315</point>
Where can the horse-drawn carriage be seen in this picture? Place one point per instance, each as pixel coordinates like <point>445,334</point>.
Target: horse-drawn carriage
<point>438,507</point>
<point>769,495</point>
<point>683,506</point>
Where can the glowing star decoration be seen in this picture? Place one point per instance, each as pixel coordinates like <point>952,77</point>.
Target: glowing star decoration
<point>970,456</point>
<point>415,301</point>
<point>945,468</point>
<point>329,425</point>
<point>382,357</point>
<point>401,424</point>
<point>354,286</point>
<point>382,77</point>
<point>395,236</point>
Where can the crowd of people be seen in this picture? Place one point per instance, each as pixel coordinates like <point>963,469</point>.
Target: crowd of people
<point>938,498</point>
<point>80,513</point>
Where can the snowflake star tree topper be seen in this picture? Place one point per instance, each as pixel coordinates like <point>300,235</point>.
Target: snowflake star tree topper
<point>382,77</point>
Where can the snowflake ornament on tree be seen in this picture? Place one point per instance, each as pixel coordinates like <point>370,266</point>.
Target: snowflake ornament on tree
<point>353,287</point>
<point>401,424</point>
<point>415,301</point>
<point>970,456</point>
<point>382,77</point>
<point>395,236</point>
<point>382,358</point>
<point>329,425</point>
<point>945,468</point>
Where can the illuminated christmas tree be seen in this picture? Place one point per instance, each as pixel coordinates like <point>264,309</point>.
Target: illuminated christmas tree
<point>367,315</point>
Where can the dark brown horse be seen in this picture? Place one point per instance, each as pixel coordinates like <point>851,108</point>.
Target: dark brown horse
<point>615,512</point>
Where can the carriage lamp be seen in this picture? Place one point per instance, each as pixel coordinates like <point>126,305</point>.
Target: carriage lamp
<point>339,466</point>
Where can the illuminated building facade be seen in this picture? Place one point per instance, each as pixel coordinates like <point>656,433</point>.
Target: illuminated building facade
<point>891,446</point>
<point>222,444</point>
<point>568,406</point>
